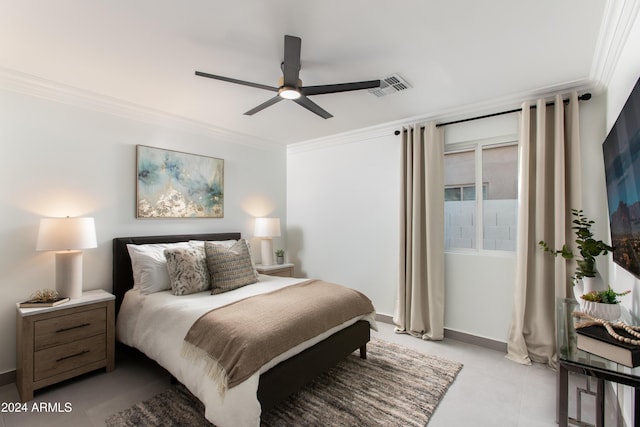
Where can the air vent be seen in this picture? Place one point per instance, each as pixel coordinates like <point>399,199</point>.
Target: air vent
<point>390,84</point>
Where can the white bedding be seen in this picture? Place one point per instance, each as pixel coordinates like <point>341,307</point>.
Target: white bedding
<point>156,324</point>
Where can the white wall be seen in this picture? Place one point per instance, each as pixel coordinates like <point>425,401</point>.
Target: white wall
<point>342,213</point>
<point>594,188</point>
<point>60,160</point>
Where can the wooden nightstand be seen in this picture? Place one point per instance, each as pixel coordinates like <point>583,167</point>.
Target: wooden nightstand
<point>282,270</point>
<point>57,343</point>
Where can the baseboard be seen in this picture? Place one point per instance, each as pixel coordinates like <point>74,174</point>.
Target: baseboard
<point>476,340</point>
<point>384,318</point>
<point>458,336</point>
<point>7,377</point>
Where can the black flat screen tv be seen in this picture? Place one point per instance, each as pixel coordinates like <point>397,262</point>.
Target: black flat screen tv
<point>622,171</point>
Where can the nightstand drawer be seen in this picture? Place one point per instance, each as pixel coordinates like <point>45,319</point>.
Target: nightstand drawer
<point>285,272</point>
<point>55,360</point>
<point>282,270</point>
<point>69,328</point>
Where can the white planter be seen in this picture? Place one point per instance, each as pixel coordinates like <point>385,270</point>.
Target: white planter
<point>601,311</point>
<point>590,284</point>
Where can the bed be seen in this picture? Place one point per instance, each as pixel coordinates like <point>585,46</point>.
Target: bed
<point>276,380</point>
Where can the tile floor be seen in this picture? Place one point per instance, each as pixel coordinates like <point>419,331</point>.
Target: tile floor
<point>489,391</point>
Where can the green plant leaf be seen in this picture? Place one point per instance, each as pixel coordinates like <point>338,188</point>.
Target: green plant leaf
<point>588,247</point>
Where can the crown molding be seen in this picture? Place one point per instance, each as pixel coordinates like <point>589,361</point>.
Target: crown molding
<point>27,84</point>
<point>478,109</point>
<point>618,20</point>
<point>358,135</point>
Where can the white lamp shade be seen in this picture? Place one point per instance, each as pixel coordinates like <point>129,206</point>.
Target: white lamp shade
<point>59,234</point>
<point>267,227</point>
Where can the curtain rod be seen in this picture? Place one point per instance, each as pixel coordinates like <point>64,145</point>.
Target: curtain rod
<point>583,97</point>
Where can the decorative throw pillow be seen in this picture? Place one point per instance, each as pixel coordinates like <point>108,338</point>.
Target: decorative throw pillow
<point>229,268</point>
<point>149,266</point>
<point>187,269</point>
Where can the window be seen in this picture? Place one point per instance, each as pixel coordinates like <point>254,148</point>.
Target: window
<point>462,192</point>
<point>486,168</point>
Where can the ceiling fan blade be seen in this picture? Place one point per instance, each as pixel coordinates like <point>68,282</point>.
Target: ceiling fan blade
<point>313,107</point>
<point>264,105</point>
<point>339,87</point>
<point>240,82</point>
<point>291,64</point>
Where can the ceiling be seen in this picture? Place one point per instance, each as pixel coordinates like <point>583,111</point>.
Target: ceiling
<point>459,56</point>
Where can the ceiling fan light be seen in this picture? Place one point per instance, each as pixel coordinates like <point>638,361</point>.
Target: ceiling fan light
<point>289,93</point>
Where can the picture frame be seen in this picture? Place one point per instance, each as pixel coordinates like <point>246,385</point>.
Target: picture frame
<point>174,184</point>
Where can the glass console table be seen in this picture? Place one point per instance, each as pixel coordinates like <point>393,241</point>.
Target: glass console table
<point>571,359</point>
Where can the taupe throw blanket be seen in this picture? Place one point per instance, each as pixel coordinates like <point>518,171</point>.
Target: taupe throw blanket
<point>238,339</point>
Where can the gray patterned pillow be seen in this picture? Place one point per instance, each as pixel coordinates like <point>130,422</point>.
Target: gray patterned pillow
<point>229,268</point>
<point>187,269</point>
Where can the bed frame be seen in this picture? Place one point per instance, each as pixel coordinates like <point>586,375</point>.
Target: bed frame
<point>283,379</point>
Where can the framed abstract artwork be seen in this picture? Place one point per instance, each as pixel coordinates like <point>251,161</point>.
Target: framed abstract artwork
<point>172,184</point>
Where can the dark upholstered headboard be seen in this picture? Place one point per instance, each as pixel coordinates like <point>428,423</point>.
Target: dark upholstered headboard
<point>122,273</point>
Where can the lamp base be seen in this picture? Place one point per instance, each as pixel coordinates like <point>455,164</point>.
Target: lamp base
<point>266,251</point>
<point>69,274</point>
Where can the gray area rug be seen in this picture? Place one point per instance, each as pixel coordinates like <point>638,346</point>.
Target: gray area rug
<point>394,386</point>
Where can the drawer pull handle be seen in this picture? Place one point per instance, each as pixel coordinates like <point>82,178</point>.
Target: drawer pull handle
<point>73,327</point>
<point>72,355</point>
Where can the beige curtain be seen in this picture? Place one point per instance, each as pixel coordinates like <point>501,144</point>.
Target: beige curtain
<point>420,304</point>
<point>549,187</point>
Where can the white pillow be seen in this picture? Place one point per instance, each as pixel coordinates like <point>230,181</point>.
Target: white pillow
<point>225,243</point>
<point>149,266</point>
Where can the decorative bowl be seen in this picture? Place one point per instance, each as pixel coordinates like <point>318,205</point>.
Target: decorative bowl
<point>602,311</point>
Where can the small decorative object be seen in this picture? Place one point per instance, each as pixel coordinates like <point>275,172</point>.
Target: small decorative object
<point>44,298</point>
<point>603,304</point>
<point>609,326</point>
<point>608,296</point>
<point>280,256</point>
<point>615,341</point>
<point>171,184</point>
<point>44,295</point>
<point>589,249</point>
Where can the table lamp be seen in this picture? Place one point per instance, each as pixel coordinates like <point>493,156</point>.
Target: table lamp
<point>266,228</point>
<point>67,236</point>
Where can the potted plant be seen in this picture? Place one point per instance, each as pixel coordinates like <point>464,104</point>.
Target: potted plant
<point>602,304</point>
<point>280,256</point>
<point>589,249</point>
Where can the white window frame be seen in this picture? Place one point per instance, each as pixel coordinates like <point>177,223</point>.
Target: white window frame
<point>478,146</point>
<point>461,187</point>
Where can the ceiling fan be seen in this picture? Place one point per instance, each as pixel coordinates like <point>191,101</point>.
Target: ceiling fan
<point>290,86</point>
